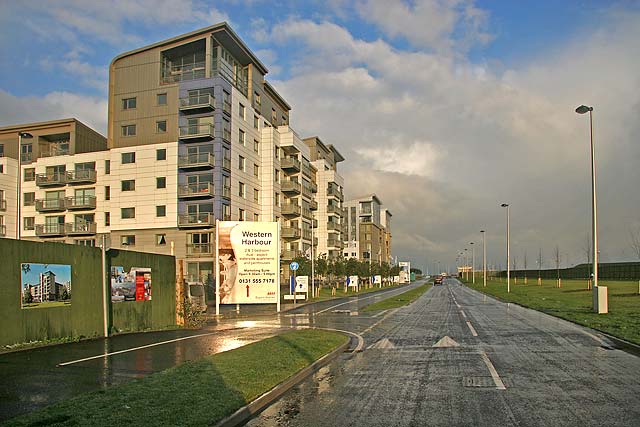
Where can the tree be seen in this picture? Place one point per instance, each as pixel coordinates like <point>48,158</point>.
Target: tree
<point>27,298</point>
<point>557,258</point>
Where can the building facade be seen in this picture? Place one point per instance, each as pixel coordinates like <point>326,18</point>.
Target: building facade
<point>368,229</point>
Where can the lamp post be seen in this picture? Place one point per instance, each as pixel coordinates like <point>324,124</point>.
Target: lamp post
<point>484,260</point>
<point>466,263</point>
<point>505,205</point>
<point>21,135</point>
<point>599,301</point>
<point>473,264</point>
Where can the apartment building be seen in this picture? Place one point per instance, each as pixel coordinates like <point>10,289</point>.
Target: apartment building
<point>368,229</point>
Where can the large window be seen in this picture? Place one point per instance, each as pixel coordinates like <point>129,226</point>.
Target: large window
<point>29,199</point>
<point>161,154</point>
<point>161,99</point>
<point>128,240</point>
<point>128,103</point>
<point>129,130</point>
<point>127,213</point>
<point>128,185</point>
<point>128,158</point>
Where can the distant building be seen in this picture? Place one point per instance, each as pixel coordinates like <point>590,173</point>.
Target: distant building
<point>368,229</point>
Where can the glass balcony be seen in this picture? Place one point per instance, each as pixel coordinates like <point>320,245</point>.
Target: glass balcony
<point>51,179</point>
<point>290,233</point>
<point>50,205</point>
<point>198,103</point>
<point>81,202</point>
<point>290,254</point>
<point>334,243</point>
<point>197,132</point>
<point>333,209</point>
<point>290,209</point>
<point>190,191</point>
<point>332,226</point>
<point>196,161</point>
<point>314,187</point>
<point>290,164</point>
<point>183,72</point>
<point>288,186</point>
<point>87,176</point>
<point>200,249</point>
<point>196,220</point>
<point>79,228</point>
<point>50,230</point>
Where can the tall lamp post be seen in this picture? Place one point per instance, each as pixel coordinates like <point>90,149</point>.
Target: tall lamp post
<point>473,264</point>
<point>21,135</point>
<point>466,263</point>
<point>506,205</point>
<point>484,260</point>
<point>599,297</point>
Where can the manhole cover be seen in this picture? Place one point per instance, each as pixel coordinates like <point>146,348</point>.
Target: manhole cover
<point>478,382</point>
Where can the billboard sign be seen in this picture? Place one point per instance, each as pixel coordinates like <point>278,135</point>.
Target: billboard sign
<point>352,281</point>
<point>45,285</point>
<point>248,267</point>
<point>302,284</point>
<point>134,285</point>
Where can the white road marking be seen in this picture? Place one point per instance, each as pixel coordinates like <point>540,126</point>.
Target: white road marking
<point>135,348</point>
<point>350,302</point>
<point>380,313</point>
<point>473,331</point>
<point>358,336</point>
<point>463,314</point>
<point>378,322</point>
<point>446,342</point>
<point>494,374</point>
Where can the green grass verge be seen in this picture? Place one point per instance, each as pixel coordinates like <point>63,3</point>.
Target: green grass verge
<point>573,302</point>
<point>325,293</point>
<point>195,393</point>
<point>398,300</point>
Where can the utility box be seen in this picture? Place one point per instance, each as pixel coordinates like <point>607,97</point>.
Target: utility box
<point>600,300</point>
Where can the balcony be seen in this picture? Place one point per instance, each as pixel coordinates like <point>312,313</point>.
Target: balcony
<point>306,170</point>
<point>313,205</point>
<point>199,132</point>
<point>290,209</point>
<point>197,103</point>
<point>196,161</point>
<point>80,202</point>
<point>307,213</point>
<point>183,72</point>
<point>50,205</point>
<point>290,187</point>
<point>306,234</point>
<point>314,187</point>
<point>290,164</point>
<point>50,230</point>
<point>87,176</point>
<point>200,249</point>
<point>26,157</point>
<point>3,230</point>
<point>314,223</point>
<point>334,243</point>
<point>80,228</point>
<point>332,226</point>
<point>194,191</point>
<point>333,209</point>
<point>291,254</point>
<point>290,233</point>
<point>51,179</point>
<point>196,220</point>
<point>3,205</point>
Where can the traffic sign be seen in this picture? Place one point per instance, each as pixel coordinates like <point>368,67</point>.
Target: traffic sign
<point>294,265</point>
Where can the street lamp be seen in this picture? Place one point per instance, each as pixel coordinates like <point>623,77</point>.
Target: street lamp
<point>599,306</point>
<point>473,264</point>
<point>21,135</point>
<point>484,260</point>
<point>505,205</point>
<point>466,263</point>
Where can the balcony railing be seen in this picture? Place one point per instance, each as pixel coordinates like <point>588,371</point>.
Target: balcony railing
<point>333,209</point>
<point>306,170</point>
<point>289,163</point>
<point>196,220</point>
<point>334,243</point>
<point>183,72</point>
<point>290,209</point>
<point>306,234</point>
<point>3,205</point>
<point>51,179</point>
<point>54,150</point>
<point>200,160</point>
<point>291,254</point>
<point>290,186</point>
<point>306,213</point>
<point>198,102</point>
<point>78,228</point>
<point>204,189</point>
<point>81,202</point>
<point>313,205</point>
<point>50,205</point>
<point>26,157</point>
<point>314,187</point>
<point>197,132</point>
<point>200,249</point>
<point>50,230</point>
<point>290,233</point>
<point>332,226</point>
<point>85,176</point>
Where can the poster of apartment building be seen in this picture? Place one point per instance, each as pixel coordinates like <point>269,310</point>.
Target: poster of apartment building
<point>45,285</point>
<point>134,285</point>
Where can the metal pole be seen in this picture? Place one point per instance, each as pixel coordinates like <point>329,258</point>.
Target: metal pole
<point>313,275</point>
<point>18,201</point>
<point>473,264</point>
<point>105,305</point>
<point>594,215</point>
<point>484,260</point>
<point>508,251</point>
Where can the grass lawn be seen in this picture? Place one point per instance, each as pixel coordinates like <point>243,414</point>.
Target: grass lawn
<point>325,293</point>
<point>195,393</point>
<point>398,300</point>
<point>573,302</point>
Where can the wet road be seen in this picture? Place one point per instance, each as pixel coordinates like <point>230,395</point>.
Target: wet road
<point>32,379</point>
<point>456,357</point>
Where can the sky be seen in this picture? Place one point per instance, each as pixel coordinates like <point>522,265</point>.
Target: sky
<point>443,108</point>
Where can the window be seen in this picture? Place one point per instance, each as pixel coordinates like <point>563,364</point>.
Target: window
<point>128,240</point>
<point>241,163</point>
<point>107,192</point>
<point>29,174</point>
<point>128,213</point>
<point>128,103</point>
<point>255,145</point>
<point>161,211</point>
<point>161,239</point>
<point>107,167</point>
<point>129,130</point>
<point>29,223</point>
<point>226,213</point>
<point>161,154</point>
<point>128,158</point>
<point>256,170</point>
<point>29,199</point>
<point>256,100</point>
<point>241,189</point>
<point>256,195</point>
<point>1,168</point>
<point>1,150</point>
<point>256,122</point>
<point>274,117</point>
<point>241,136</point>
<point>161,99</point>
<point>241,215</point>
<point>256,217</point>
<point>276,152</point>
<point>277,175</point>
<point>161,182</point>
<point>85,242</point>
<point>128,185</point>
<point>241,110</point>
<point>161,126</point>
<point>285,121</point>
<point>277,199</point>
<point>107,219</point>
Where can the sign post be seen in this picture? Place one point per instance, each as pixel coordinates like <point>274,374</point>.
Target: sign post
<point>294,267</point>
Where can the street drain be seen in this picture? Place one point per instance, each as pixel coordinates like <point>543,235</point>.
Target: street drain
<point>478,382</point>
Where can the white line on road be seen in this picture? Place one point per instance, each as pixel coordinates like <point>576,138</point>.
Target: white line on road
<point>380,313</point>
<point>494,374</point>
<point>135,348</point>
<point>463,314</point>
<point>379,321</point>
<point>351,301</point>
<point>473,331</point>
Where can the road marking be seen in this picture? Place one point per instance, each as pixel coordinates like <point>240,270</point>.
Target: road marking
<point>494,374</point>
<point>135,348</point>
<point>463,314</point>
<point>354,300</point>
<point>379,321</point>
<point>358,336</point>
<point>446,342</point>
<point>383,344</point>
<point>380,313</point>
<point>473,331</point>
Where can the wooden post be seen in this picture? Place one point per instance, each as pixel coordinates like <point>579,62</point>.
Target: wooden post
<point>179,294</point>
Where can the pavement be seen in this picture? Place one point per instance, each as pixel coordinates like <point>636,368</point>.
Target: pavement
<point>458,357</point>
<point>32,379</point>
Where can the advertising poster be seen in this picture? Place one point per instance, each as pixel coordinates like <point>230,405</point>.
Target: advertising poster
<point>45,285</point>
<point>302,284</point>
<point>248,267</point>
<point>134,285</point>
<point>352,281</point>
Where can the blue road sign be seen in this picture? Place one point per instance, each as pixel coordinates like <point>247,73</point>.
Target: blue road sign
<point>294,266</point>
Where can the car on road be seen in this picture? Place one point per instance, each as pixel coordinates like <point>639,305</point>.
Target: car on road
<point>437,281</point>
